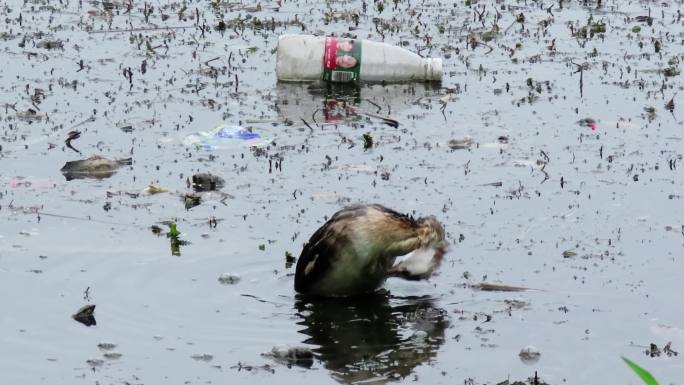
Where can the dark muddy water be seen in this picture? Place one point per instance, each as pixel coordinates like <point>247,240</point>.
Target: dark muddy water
<point>590,218</point>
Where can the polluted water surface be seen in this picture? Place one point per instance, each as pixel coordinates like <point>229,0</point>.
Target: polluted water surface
<point>551,152</point>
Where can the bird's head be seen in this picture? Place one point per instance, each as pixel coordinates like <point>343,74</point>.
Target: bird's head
<point>431,234</point>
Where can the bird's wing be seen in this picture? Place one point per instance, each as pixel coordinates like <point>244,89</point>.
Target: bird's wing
<point>317,257</point>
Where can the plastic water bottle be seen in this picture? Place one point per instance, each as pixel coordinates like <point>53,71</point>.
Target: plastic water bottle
<point>335,59</point>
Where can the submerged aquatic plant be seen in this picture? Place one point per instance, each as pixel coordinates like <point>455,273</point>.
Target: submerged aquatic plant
<point>641,372</point>
<point>174,238</point>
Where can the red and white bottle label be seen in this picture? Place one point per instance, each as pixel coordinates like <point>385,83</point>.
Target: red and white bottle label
<point>342,60</point>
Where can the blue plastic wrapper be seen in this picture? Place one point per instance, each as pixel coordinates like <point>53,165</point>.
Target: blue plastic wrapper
<point>224,137</point>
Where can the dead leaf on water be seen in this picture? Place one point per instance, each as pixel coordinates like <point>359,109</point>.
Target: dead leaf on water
<point>485,286</point>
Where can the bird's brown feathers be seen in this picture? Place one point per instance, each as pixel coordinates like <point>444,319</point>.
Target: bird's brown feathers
<point>367,236</point>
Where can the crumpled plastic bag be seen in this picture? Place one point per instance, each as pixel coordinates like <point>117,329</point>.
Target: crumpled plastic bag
<point>224,137</point>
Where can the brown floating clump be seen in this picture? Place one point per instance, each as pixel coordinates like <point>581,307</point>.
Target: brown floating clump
<point>95,167</point>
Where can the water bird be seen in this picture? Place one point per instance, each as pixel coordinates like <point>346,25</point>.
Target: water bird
<point>355,251</point>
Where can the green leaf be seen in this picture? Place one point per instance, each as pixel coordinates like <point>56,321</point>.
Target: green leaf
<point>642,373</point>
<point>173,231</point>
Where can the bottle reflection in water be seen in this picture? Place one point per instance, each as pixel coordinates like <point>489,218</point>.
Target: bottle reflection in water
<point>329,103</point>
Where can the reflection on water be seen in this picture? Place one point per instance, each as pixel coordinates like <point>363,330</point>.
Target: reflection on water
<point>330,103</point>
<point>374,339</point>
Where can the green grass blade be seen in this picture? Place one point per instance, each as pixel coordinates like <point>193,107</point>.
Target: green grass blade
<point>642,373</point>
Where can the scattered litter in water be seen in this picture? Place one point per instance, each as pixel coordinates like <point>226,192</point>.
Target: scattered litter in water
<point>139,93</point>
<point>225,137</point>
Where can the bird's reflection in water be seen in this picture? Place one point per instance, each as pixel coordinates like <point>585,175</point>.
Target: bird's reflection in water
<point>372,339</point>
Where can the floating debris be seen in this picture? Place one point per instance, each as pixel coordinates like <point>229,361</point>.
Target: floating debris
<point>112,355</point>
<point>529,355</point>
<point>289,259</point>
<point>225,137</point>
<point>153,189</point>
<point>530,381</point>
<point>654,351</point>
<point>207,182</point>
<point>31,115</point>
<point>50,44</point>
<point>30,183</point>
<point>588,122</point>
<point>95,167</point>
<point>569,254</point>
<point>202,357</point>
<point>191,200</point>
<point>106,346</point>
<point>95,362</point>
<point>72,135</point>
<point>367,141</point>
<point>228,279</point>
<point>288,355</point>
<point>484,286</point>
<point>85,315</point>
<point>460,144</point>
